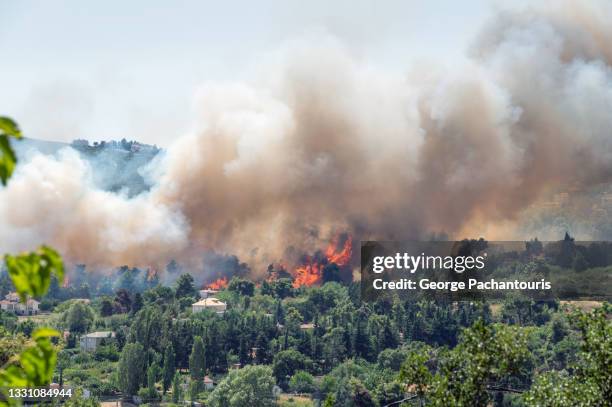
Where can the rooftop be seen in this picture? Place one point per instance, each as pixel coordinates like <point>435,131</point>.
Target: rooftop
<point>210,301</point>
<point>100,334</point>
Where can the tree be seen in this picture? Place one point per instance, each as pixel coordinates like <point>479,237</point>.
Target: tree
<point>106,307</point>
<point>131,368</point>
<point>152,373</point>
<point>173,267</point>
<point>136,304</point>
<point>250,386</point>
<point>184,286</point>
<point>286,363</point>
<point>241,286</point>
<point>123,301</point>
<point>77,400</point>
<point>465,375</point>
<point>302,382</point>
<point>197,360</point>
<point>168,368</point>
<point>176,388</point>
<point>79,317</point>
<point>591,383</point>
<point>334,348</point>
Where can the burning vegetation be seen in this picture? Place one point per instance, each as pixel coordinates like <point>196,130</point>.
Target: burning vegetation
<point>324,266</point>
<point>218,284</point>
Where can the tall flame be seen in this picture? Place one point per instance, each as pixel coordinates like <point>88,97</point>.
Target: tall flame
<point>311,272</point>
<point>151,273</point>
<point>342,257</point>
<point>218,284</point>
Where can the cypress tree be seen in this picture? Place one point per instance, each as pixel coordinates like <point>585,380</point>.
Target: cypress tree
<point>197,362</point>
<point>168,368</point>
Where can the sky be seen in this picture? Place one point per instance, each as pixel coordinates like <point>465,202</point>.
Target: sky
<point>117,69</point>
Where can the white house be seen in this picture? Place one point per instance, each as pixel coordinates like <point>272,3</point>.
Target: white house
<point>11,303</point>
<point>91,341</point>
<point>210,303</point>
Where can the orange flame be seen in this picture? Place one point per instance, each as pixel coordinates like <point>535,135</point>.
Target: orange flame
<point>311,272</point>
<point>218,284</point>
<point>151,273</point>
<point>308,274</point>
<point>342,257</point>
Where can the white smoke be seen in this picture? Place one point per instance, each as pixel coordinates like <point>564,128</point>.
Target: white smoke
<point>51,200</point>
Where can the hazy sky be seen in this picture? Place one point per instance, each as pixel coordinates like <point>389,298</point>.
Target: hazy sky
<point>113,69</point>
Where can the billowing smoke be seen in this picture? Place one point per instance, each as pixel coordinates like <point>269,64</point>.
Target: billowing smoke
<point>50,199</point>
<point>323,143</point>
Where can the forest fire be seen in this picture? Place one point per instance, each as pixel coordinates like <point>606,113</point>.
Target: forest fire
<point>218,284</point>
<point>152,274</point>
<point>311,272</point>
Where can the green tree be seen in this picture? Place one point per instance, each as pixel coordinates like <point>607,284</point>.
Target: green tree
<point>176,388</point>
<point>286,363</point>
<point>106,307</point>
<point>77,400</point>
<point>330,401</point>
<point>184,286</point>
<point>250,386</point>
<point>415,373</point>
<point>131,368</point>
<point>197,360</point>
<point>152,373</point>
<point>79,317</point>
<point>465,375</point>
<point>168,367</point>
<point>136,304</point>
<point>241,286</point>
<point>591,383</point>
<point>302,382</point>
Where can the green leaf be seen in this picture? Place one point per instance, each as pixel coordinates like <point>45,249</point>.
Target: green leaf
<point>31,272</point>
<point>8,159</point>
<point>53,260</point>
<point>9,127</point>
<point>35,364</point>
<point>44,333</point>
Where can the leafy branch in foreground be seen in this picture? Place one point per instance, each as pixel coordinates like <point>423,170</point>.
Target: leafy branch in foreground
<point>591,383</point>
<point>31,276</point>
<point>31,272</point>
<point>8,158</point>
<point>34,366</point>
<point>485,354</point>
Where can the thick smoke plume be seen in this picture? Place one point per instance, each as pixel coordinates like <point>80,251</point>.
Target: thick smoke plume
<point>324,143</point>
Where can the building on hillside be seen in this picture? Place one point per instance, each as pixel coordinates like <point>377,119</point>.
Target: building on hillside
<point>209,303</point>
<point>92,340</point>
<point>207,292</point>
<point>11,303</point>
<point>208,383</point>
